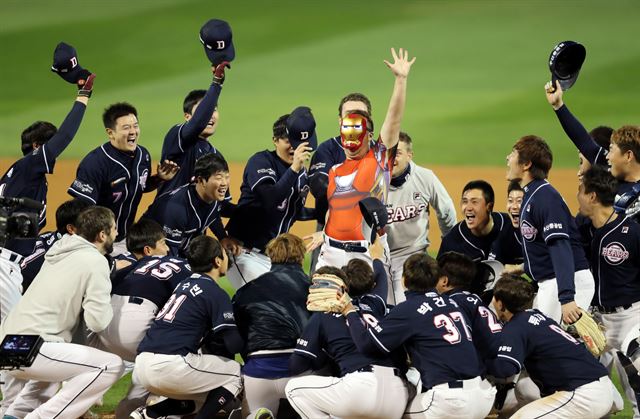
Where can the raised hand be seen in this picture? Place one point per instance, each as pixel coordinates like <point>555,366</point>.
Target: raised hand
<point>167,170</point>
<point>401,65</point>
<point>554,95</point>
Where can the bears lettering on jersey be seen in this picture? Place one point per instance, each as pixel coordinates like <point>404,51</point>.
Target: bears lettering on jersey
<point>615,253</point>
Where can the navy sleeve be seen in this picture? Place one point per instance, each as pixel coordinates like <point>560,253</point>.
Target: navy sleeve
<point>381,288</point>
<point>68,129</point>
<point>309,345</point>
<point>222,311</point>
<point>299,364</point>
<point>271,195</point>
<point>87,183</point>
<point>580,137</point>
<point>173,225</point>
<point>563,266</point>
<point>190,131</point>
<point>511,353</point>
<point>217,229</point>
<point>233,341</point>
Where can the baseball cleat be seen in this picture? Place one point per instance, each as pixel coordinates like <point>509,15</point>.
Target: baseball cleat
<point>264,413</point>
<point>141,413</point>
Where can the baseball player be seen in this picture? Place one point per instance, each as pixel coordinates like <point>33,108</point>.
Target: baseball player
<point>169,362</point>
<point>188,211</point>
<point>483,234</point>
<point>615,256</point>
<point>515,193</point>
<point>443,354</point>
<point>374,381</point>
<point>553,256</point>
<point>117,173</point>
<point>571,381</point>
<point>74,281</point>
<point>185,143</point>
<point>329,154</point>
<point>412,192</point>
<point>271,314</point>
<point>365,173</point>
<point>272,195</point>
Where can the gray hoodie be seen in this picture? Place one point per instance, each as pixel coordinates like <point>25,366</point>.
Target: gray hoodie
<point>73,277</point>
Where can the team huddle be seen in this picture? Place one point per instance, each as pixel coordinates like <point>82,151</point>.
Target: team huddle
<point>377,328</point>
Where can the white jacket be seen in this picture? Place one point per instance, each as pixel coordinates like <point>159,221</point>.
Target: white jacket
<point>74,277</point>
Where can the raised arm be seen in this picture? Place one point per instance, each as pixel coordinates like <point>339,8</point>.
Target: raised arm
<point>400,69</point>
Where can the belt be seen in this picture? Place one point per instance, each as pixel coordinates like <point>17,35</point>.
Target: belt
<point>612,309</point>
<point>10,255</point>
<point>348,246</point>
<point>371,368</point>
<point>136,300</point>
<point>471,383</point>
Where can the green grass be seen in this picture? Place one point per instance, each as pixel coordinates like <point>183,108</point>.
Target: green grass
<point>475,88</point>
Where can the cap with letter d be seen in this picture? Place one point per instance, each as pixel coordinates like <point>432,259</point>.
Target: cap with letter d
<point>65,63</point>
<point>565,62</point>
<point>301,127</point>
<point>375,217</point>
<point>217,39</point>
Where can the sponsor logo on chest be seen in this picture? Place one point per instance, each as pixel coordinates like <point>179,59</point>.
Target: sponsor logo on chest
<point>615,253</point>
<point>528,231</point>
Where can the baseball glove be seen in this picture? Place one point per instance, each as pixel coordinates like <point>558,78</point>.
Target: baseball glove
<point>587,330</point>
<point>327,294</point>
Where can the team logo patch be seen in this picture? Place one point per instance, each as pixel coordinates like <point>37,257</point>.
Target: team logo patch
<point>417,196</point>
<point>528,231</point>
<point>143,178</point>
<point>268,171</point>
<point>82,187</point>
<point>615,253</point>
<point>625,230</point>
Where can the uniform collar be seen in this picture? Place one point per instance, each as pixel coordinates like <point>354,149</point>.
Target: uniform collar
<point>400,180</point>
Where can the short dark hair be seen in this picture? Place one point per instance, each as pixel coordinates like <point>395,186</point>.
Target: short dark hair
<point>535,150</point>
<point>366,116</point>
<point>484,186</point>
<point>514,185</point>
<point>405,138</point>
<point>146,232</point>
<point>94,220</point>
<point>602,136</point>
<point>627,138</point>
<point>354,97</point>
<point>67,213</point>
<point>116,111</point>
<point>280,127</point>
<point>191,99</point>
<point>420,272</point>
<point>598,179</point>
<point>39,132</point>
<point>210,164</point>
<point>359,277</point>
<point>202,252</point>
<point>460,269</point>
<point>332,270</point>
<point>514,292</point>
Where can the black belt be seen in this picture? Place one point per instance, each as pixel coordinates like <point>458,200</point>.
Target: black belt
<point>369,368</point>
<point>451,384</point>
<point>136,300</point>
<point>612,309</point>
<point>11,256</point>
<point>348,246</point>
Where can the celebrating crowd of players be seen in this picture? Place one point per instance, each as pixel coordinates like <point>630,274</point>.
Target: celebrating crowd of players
<point>109,294</point>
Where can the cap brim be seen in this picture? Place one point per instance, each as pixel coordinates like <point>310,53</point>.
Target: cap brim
<point>496,266</point>
<point>70,76</point>
<point>312,140</point>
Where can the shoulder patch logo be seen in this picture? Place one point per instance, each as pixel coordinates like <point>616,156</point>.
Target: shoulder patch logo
<point>615,253</point>
<point>528,231</point>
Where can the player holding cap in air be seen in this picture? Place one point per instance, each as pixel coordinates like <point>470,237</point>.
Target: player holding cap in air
<point>365,173</point>
<point>272,195</point>
<point>572,382</point>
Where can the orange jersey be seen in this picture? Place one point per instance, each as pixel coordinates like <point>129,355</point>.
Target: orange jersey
<point>352,181</point>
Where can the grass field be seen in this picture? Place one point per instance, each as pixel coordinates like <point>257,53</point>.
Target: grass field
<point>476,86</point>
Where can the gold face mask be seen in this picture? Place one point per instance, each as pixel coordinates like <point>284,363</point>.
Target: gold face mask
<point>353,131</point>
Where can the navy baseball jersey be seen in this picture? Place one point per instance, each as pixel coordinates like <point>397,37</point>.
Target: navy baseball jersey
<point>153,278</point>
<point>554,360</point>
<point>500,244</point>
<point>272,196</point>
<point>196,307</point>
<point>30,265</point>
<point>615,255</point>
<point>114,179</point>
<point>485,327</point>
<point>26,177</point>
<point>183,216</point>
<point>545,220</point>
<point>435,332</point>
<point>327,333</point>
<point>183,145</point>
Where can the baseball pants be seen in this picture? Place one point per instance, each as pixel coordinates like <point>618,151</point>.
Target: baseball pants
<point>247,266</point>
<point>617,327</point>
<point>188,377</point>
<point>473,401</point>
<point>87,372</point>
<point>590,401</point>
<point>397,262</point>
<point>263,392</point>
<point>547,298</point>
<point>376,394</point>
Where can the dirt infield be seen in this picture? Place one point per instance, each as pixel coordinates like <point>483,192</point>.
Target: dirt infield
<point>453,178</point>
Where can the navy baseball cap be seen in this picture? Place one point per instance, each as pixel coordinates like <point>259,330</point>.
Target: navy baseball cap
<point>375,216</point>
<point>65,63</point>
<point>565,62</point>
<point>301,127</point>
<point>217,39</point>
